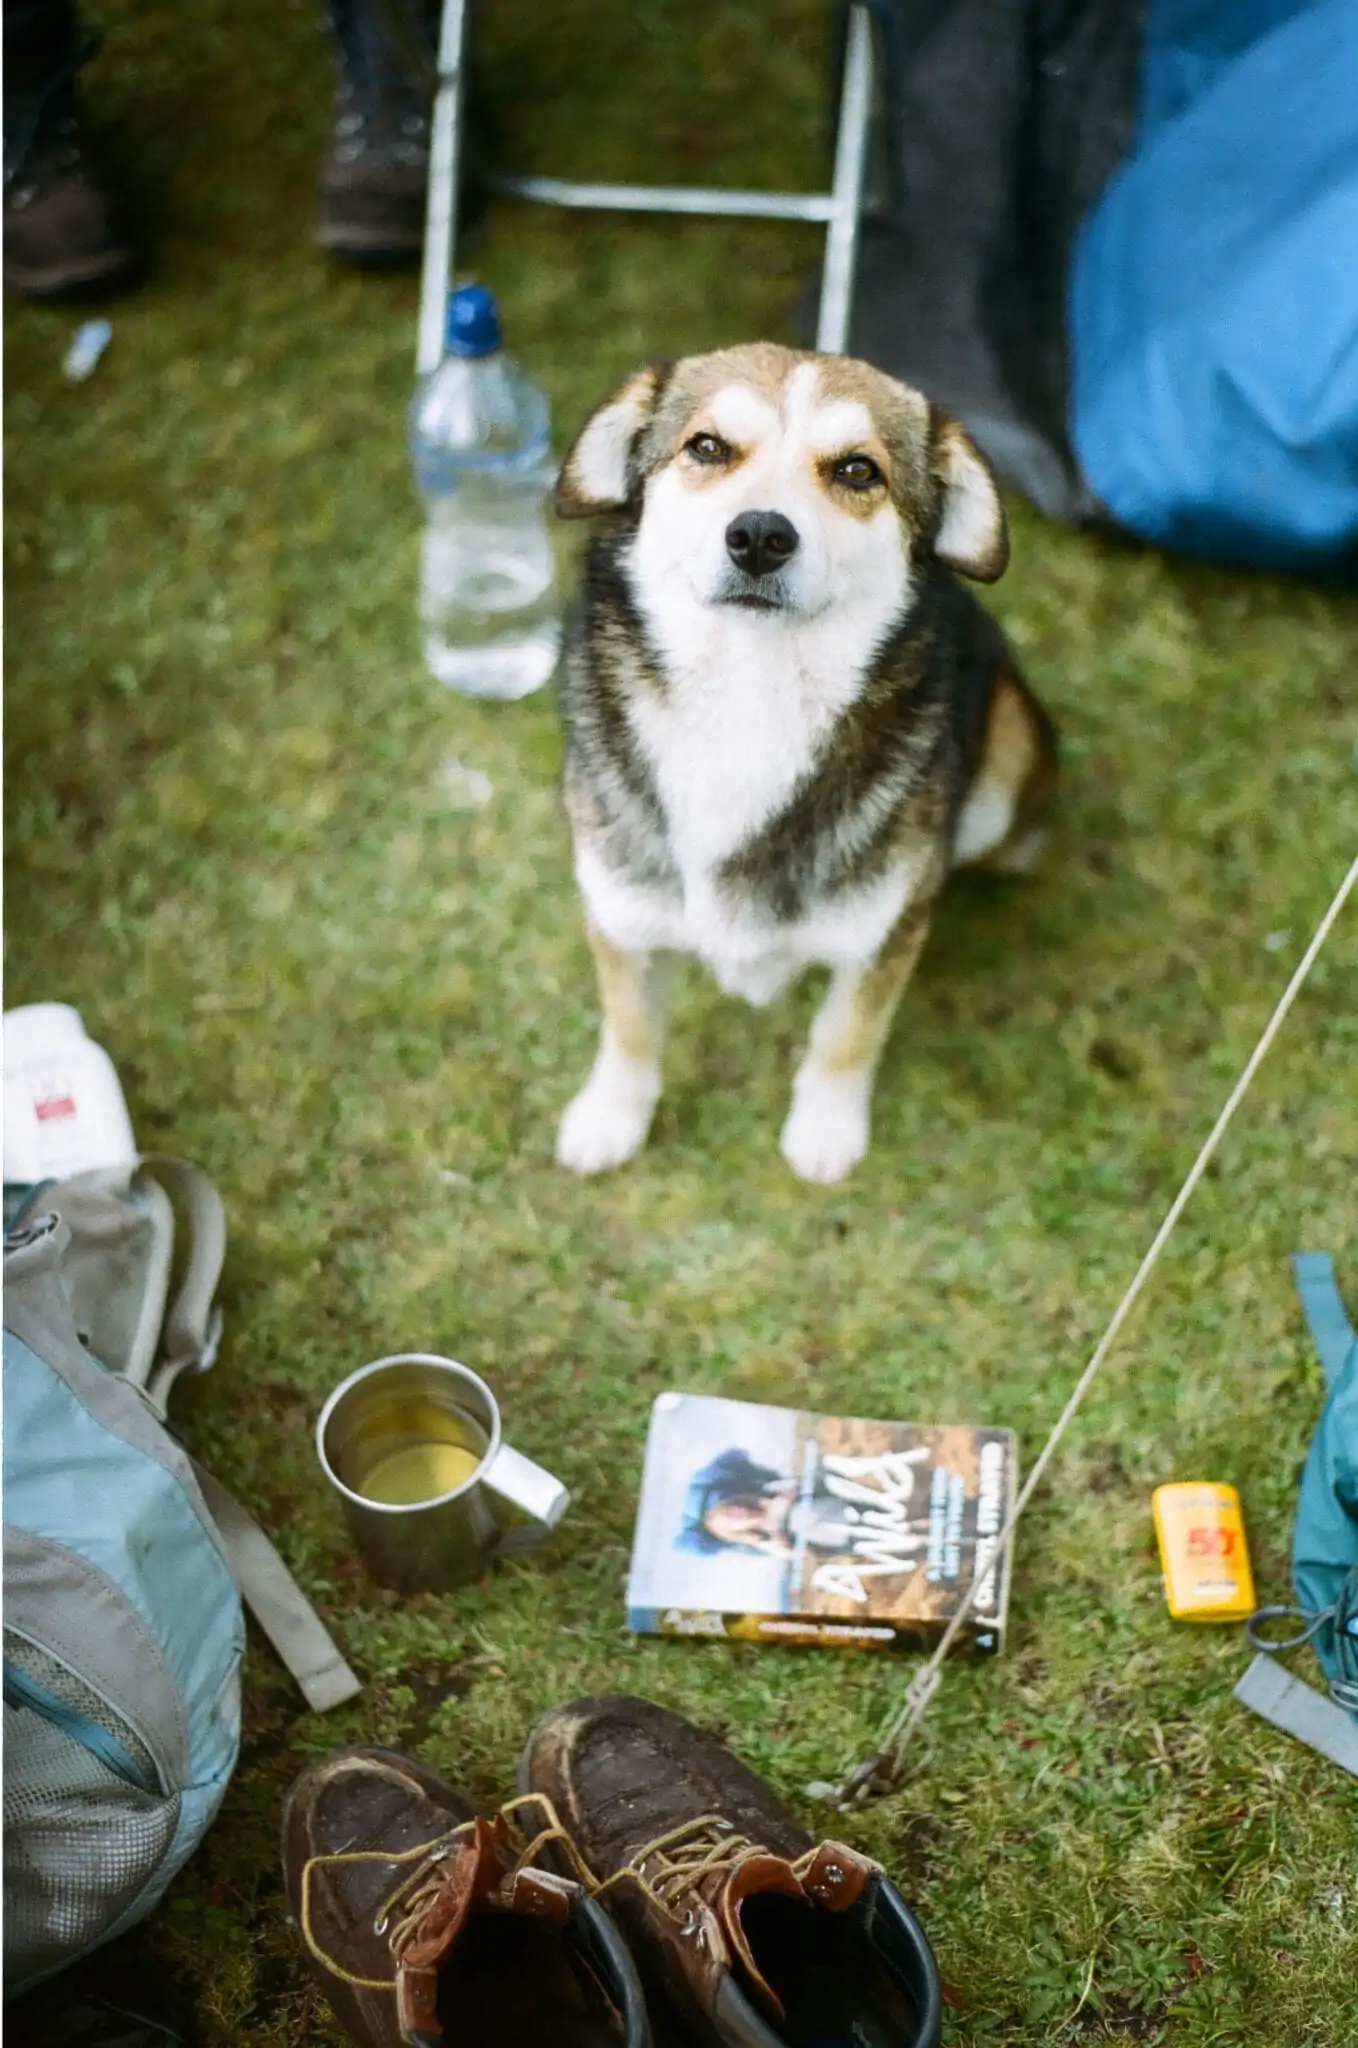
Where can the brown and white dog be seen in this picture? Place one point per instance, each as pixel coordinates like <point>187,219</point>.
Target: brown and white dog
<point>786,720</point>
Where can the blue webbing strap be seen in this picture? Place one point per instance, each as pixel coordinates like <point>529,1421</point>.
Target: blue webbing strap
<point>1331,1331</point>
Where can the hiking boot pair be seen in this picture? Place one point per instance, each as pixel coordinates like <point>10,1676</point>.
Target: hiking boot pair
<point>64,232</point>
<point>639,1852</point>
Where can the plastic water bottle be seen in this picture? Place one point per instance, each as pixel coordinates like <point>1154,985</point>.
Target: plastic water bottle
<point>64,1106</point>
<point>480,437</point>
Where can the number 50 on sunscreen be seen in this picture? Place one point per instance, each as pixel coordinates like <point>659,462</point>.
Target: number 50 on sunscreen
<point>1202,1552</point>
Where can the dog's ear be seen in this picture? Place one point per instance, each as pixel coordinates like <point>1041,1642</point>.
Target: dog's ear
<point>599,473</point>
<point>973,534</point>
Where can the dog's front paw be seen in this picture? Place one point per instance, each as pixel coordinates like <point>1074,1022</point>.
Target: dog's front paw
<point>604,1126</point>
<point>826,1133</point>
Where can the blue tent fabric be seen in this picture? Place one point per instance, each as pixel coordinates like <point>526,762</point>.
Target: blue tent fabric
<point>1213,304</point>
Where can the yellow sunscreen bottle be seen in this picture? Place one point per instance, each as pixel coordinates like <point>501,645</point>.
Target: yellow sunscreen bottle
<point>1202,1552</point>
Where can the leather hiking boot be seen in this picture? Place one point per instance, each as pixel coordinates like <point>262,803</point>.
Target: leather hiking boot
<point>428,1922</point>
<point>752,1932</point>
<point>62,233</point>
<point>376,170</point>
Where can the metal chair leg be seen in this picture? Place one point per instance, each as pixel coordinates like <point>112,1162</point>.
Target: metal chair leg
<point>445,148</point>
<point>851,154</point>
<point>840,208</point>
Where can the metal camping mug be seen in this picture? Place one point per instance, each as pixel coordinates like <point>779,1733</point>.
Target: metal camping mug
<point>422,1434</point>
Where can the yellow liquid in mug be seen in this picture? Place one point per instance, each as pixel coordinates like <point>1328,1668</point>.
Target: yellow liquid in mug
<point>419,1472</point>
<point>412,1451</point>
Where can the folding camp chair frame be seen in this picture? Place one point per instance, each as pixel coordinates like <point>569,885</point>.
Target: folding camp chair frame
<point>840,209</point>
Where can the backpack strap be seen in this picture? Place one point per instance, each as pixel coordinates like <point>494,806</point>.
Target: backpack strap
<point>278,1603</point>
<point>193,1322</point>
<point>192,1332</point>
<point>1300,1711</point>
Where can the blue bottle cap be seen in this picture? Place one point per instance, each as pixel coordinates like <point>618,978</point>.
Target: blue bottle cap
<point>473,323</point>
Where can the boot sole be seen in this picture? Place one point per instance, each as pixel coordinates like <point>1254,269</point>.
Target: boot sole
<point>367,246</point>
<point>58,280</point>
<point>523,1769</point>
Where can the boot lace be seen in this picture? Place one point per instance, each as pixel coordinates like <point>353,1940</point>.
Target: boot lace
<point>706,1846</point>
<point>387,73</point>
<point>404,1910</point>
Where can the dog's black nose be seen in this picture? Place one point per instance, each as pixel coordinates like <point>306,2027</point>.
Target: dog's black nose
<point>759,542</point>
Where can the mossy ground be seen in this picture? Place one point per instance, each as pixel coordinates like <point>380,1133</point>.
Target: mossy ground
<point>232,842</point>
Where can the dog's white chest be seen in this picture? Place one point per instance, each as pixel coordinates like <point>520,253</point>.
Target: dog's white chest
<point>739,726</point>
<point>726,751</point>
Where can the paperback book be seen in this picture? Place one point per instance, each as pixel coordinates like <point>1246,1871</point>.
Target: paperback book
<point>773,1525</point>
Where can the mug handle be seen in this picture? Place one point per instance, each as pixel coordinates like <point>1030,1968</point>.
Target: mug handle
<point>537,1500</point>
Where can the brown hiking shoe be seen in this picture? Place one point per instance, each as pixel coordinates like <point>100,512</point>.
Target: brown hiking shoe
<point>62,233</point>
<point>376,169</point>
<point>753,1932</point>
<point>428,1922</point>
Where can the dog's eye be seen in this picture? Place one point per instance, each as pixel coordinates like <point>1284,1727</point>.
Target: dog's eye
<point>707,448</point>
<point>859,472</point>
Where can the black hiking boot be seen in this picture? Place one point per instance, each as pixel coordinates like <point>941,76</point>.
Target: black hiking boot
<point>377,167</point>
<point>753,1933</point>
<point>62,231</point>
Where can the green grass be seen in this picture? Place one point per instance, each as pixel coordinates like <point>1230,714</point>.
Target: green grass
<point>362,1009</point>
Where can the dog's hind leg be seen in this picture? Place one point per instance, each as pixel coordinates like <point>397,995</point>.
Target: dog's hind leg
<point>1002,822</point>
<point>610,1117</point>
<point>827,1129</point>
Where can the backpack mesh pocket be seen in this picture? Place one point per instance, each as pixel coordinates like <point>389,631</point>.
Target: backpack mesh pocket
<point>86,1822</point>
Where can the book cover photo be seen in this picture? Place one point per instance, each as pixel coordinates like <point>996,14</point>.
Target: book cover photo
<point>774,1525</point>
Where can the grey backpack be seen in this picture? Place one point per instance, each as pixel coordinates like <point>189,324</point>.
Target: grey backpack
<point>124,1564</point>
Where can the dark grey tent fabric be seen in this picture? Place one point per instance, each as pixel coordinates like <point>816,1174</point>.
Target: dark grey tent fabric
<point>1002,120</point>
